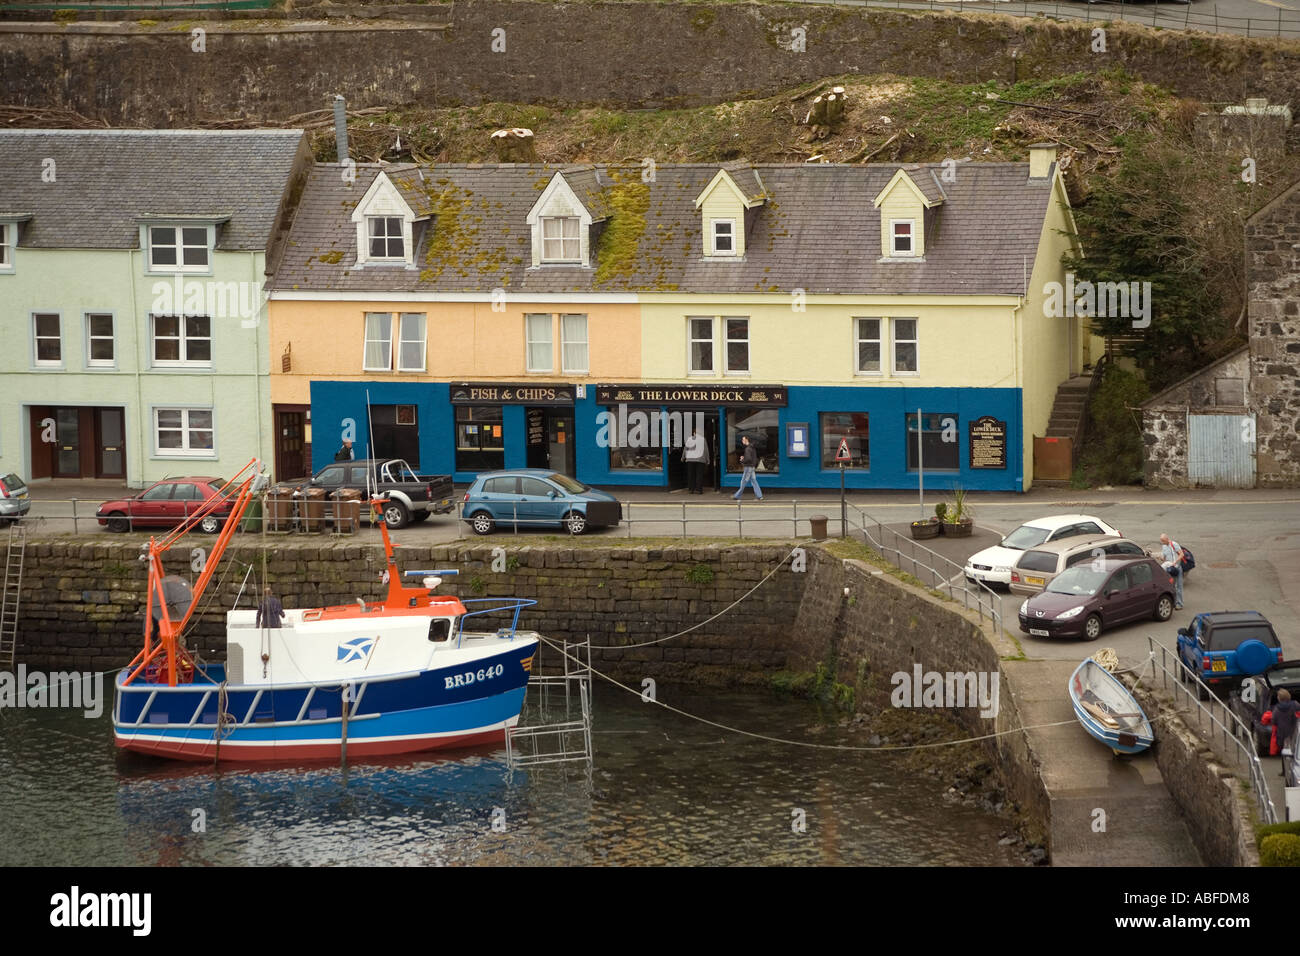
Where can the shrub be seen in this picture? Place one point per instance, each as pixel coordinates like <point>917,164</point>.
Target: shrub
<point>700,574</point>
<point>1291,827</point>
<point>1114,452</point>
<point>1280,849</point>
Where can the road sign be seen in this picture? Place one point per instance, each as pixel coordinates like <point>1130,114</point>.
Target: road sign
<point>843,453</point>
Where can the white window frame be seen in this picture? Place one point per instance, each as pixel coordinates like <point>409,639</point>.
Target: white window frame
<point>895,341</point>
<point>691,340</point>
<point>859,339</point>
<point>91,338</point>
<point>731,236</point>
<point>562,239</point>
<point>8,245</point>
<point>185,451</point>
<point>385,341</point>
<point>533,323</point>
<point>568,341</point>
<point>184,340</point>
<point>727,341</point>
<point>403,339</point>
<point>894,251</point>
<point>37,361</point>
<point>209,235</point>
<point>387,238</point>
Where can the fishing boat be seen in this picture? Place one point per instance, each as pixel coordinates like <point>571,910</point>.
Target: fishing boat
<point>1107,710</point>
<point>401,675</point>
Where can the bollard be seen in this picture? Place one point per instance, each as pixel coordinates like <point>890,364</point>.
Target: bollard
<point>818,523</point>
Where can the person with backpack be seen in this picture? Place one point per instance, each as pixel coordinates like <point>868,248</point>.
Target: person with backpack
<point>1172,553</point>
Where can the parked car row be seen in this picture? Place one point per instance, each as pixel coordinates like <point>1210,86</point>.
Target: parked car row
<point>520,498</point>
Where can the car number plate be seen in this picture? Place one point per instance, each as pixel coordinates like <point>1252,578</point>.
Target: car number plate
<point>1039,632</point>
<point>1219,665</point>
<point>1037,581</point>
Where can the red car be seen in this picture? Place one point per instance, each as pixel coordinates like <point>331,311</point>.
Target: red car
<point>166,504</point>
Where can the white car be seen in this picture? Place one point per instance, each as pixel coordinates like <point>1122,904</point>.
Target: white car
<point>993,565</point>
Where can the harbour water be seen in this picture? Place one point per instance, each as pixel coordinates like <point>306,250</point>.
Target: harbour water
<point>665,790</point>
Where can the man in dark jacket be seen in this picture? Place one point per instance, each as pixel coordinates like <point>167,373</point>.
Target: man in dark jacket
<point>748,461</point>
<point>696,456</point>
<point>345,453</point>
<point>1284,720</point>
<point>270,612</point>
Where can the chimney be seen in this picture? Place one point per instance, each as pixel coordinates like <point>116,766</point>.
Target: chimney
<point>514,145</point>
<point>1041,157</point>
<point>341,126</point>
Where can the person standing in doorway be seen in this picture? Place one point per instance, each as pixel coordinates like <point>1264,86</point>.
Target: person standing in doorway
<point>748,462</point>
<point>345,453</point>
<point>1172,553</point>
<point>696,455</point>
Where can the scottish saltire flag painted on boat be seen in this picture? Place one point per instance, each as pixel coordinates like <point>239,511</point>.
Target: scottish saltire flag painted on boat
<point>402,675</point>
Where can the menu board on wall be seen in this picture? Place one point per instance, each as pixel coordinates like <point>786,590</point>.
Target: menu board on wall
<point>536,427</point>
<point>988,443</point>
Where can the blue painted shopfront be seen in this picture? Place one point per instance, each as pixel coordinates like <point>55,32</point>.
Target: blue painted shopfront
<point>883,448</point>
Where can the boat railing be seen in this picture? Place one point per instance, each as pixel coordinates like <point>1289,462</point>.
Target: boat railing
<point>502,604</point>
<point>1216,722</point>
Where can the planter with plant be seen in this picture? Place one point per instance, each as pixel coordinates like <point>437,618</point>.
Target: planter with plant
<point>929,527</point>
<point>958,520</point>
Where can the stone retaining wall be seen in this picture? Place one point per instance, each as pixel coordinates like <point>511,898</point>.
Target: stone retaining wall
<point>637,55</point>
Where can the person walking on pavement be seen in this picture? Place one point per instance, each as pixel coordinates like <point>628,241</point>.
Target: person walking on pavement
<point>748,461</point>
<point>345,453</point>
<point>1172,553</point>
<point>1284,721</point>
<point>696,455</point>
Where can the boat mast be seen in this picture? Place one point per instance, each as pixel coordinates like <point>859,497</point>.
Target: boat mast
<point>168,632</point>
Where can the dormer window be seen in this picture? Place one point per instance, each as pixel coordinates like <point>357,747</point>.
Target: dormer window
<point>386,238</point>
<point>177,248</point>
<point>901,236</point>
<point>561,239</point>
<point>724,237</point>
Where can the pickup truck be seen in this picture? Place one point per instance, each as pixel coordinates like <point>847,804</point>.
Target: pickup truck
<point>411,497</point>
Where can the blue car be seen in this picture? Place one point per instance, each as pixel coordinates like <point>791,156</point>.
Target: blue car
<point>536,496</point>
<point>1222,647</point>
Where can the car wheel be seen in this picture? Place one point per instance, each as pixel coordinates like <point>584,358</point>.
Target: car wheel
<point>396,515</point>
<point>210,524</point>
<point>1164,608</point>
<point>575,522</point>
<point>482,523</point>
<point>1202,692</point>
<point>1092,627</point>
<point>118,522</point>
<point>420,516</point>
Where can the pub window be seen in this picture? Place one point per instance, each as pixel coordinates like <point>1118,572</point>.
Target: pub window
<point>868,346</point>
<point>905,346</point>
<point>700,330</point>
<point>850,427</point>
<point>761,427</point>
<point>940,444</point>
<point>640,431</point>
<point>737,344</point>
<point>480,440</point>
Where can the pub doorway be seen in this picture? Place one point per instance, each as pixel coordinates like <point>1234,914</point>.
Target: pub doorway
<point>678,476</point>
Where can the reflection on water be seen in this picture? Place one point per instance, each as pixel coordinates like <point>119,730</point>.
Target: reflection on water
<point>665,790</point>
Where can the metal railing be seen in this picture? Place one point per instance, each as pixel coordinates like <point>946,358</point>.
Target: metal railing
<point>929,567</point>
<point>560,736</point>
<point>1216,730</point>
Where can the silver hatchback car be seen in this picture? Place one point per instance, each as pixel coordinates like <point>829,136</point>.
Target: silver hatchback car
<point>1037,566</point>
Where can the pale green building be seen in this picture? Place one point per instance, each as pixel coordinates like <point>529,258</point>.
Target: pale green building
<point>133,332</point>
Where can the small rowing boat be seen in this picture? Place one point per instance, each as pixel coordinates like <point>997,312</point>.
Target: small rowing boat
<point>1107,710</point>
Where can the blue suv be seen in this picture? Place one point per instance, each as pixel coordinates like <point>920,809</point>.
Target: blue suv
<point>535,496</point>
<point>1225,646</point>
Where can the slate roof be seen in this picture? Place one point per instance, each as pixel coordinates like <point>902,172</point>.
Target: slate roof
<point>925,179</point>
<point>105,180</point>
<point>818,231</point>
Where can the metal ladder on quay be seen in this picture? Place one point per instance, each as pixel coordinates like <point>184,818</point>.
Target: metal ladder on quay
<point>13,582</point>
<point>563,737</point>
